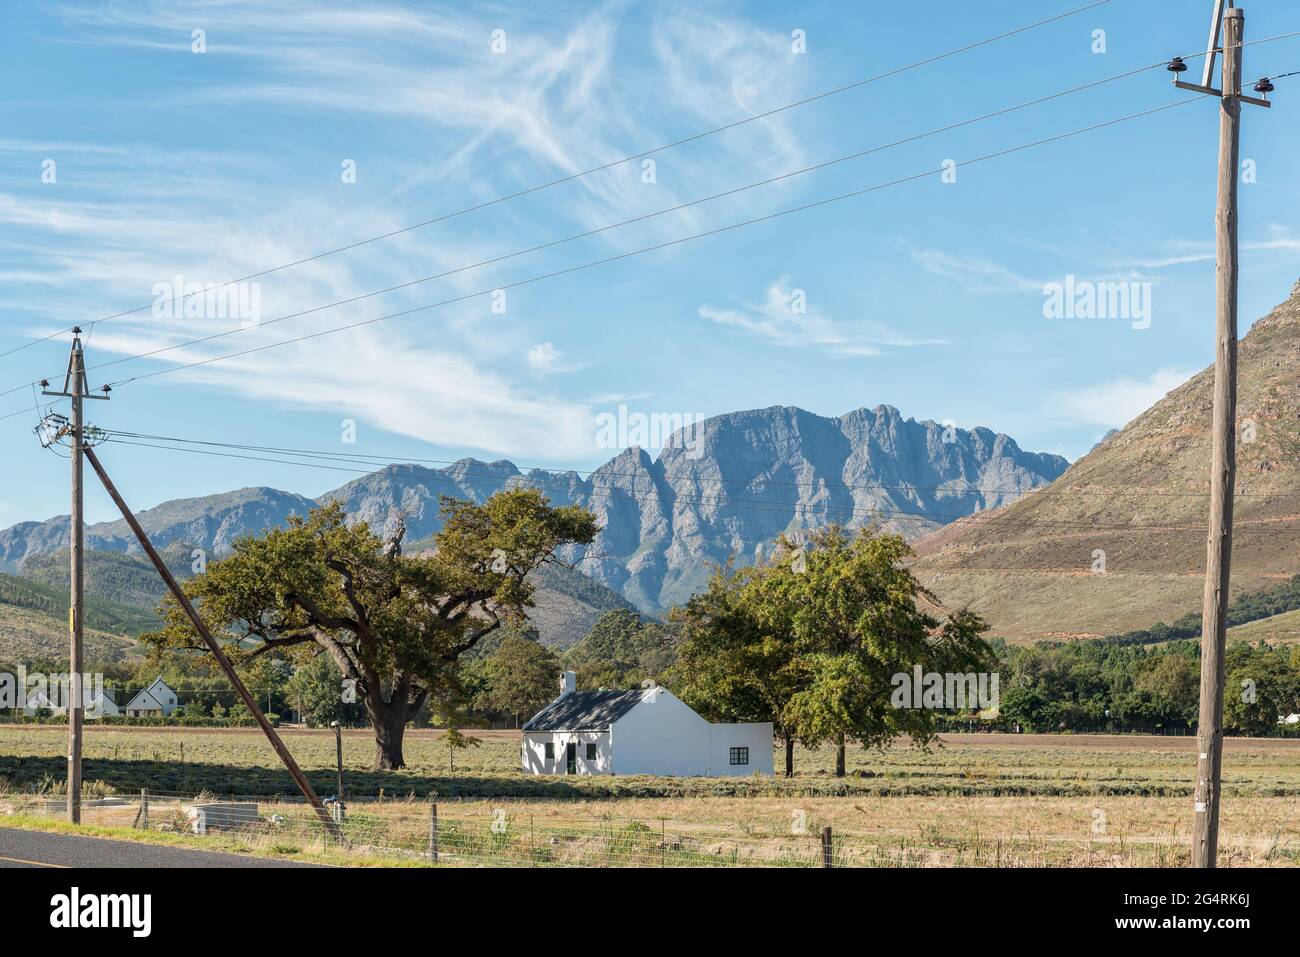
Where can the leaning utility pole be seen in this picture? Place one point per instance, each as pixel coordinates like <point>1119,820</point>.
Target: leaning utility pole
<point>214,647</point>
<point>1209,731</point>
<point>76,389</point>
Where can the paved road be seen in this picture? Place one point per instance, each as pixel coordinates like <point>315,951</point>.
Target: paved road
<point>22,848</point>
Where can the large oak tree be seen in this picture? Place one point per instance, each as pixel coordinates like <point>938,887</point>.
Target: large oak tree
<point>394,625</point>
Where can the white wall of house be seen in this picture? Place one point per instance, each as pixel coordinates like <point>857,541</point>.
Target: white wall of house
<point>155,700</point>
<point>661,735</point>
<point>535,761</point>
<point>755,738</point>
<point>97,704</point>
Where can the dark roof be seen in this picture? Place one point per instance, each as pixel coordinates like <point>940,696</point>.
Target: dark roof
<point>584,711</point>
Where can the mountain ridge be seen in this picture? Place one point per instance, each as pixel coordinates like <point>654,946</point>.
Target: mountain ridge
<point>1118,542</point>
<point>730,488</point>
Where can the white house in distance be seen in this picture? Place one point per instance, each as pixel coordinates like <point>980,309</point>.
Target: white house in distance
<point>96,702</point>
<point>646,731</point>
<point>156,701</point>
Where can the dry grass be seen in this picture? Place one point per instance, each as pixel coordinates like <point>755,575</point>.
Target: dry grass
<point>979,800</point>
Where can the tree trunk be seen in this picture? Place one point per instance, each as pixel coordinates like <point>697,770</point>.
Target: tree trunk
<point>789,756</point>
<point>389,721</point>
<point>839,757</point>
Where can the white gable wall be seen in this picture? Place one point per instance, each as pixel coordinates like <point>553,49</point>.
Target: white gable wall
<point>96,704</point>
<point>158,697</point>
<point>661,735</point>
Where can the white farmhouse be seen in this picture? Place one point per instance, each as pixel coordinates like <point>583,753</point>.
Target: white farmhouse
<point>646,731</point>
<point>96,702</point>
<point>156,701</point>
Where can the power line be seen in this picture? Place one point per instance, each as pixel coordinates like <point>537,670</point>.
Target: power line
<point>771,507</point>
<point>644,217</point>
<point>653,248</point>
<point>550,244</point>
<point>677,208</point>
<point>606,166</point>
<point>381,460</point>
<point>637,219</point>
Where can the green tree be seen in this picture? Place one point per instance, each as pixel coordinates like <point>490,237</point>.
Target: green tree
<point>621,650</point>
<point>855,616</point>
<point>316,689</point>
<point>1261,687</point>
<point>395,626</point>
<point>456,740</point>
<point>733,664</point>
<point>812,642</point>
<point>522,675</point>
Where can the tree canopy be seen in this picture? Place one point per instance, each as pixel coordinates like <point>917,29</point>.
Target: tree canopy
<point>813,640</point>
<point>394,626</point>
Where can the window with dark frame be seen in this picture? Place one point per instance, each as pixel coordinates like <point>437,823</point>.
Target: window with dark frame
<point>740,755</point>
<point>550,751</point>
<point>591,752</point>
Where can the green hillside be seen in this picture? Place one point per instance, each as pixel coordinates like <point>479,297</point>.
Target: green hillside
<point>113,576</point>
<point>28,636</point>
<point>102,614</point>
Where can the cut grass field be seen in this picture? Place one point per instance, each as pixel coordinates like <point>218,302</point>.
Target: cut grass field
<point>995,800</point>
<point>240,761</point>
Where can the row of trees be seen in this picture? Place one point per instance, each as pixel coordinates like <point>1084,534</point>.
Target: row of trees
<point>1113,686</point>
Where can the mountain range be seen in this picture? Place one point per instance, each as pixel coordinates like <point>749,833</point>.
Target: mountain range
<point>741,480</point>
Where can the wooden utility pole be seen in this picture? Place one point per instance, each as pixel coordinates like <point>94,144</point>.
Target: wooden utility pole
<point>75,388</point>
<point>201,627</point>
<point>1223,468</point>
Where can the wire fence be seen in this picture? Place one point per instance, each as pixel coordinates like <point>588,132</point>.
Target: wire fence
<point>452,833</point>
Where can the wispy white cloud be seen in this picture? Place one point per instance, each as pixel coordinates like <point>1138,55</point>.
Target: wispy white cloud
<point>1119,401</point>
<point>558,101</point>
<point>545,359</point>
<point>785,318</point>
<point>1278,239</point>
<point>972,270</point>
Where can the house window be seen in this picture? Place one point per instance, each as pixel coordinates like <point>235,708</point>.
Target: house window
<point>740,755</point>
<point>591,752</point>
<point>550,751</point>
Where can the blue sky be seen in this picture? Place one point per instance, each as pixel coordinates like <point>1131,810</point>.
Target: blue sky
<point>927,296</point>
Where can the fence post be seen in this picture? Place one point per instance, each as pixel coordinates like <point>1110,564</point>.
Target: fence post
<point>144,809</point>
<point>827,852</point>
<point>433,832</point>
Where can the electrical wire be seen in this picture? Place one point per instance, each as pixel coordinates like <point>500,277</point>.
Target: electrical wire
<point>382,460</point>
<point>550,244</point>
<point>655,247</point>
<point>849,512</point>
<point>677,208</point>
<point>610,165</point>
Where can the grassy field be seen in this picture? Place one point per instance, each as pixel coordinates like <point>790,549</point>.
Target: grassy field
<point>1283,629</point>
<point>995,800</point>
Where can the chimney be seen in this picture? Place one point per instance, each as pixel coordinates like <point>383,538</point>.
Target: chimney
<point>568,683</point>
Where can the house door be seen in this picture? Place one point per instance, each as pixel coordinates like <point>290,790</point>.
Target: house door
<point>570,758</point>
